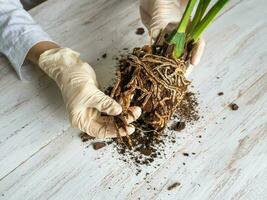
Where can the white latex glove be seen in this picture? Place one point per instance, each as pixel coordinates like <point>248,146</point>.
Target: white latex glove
<point>157,14</point>
<point>84,101</point>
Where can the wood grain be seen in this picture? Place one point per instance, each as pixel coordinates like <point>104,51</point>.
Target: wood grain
<point>41,157</point>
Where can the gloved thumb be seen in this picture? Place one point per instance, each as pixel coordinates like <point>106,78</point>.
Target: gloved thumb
<point>104,103</point>
<point>197,52</point>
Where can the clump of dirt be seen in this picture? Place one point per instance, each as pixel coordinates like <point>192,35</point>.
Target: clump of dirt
<point>98,145</point>
<point>187,110</point>
<point>85,137</point>
<point>220,93</point>
<point>179,126</point>
<point>151,78</point>
<point>186,154</point>
<point>104,55</point>
<point>140,31</point>
<point>148,144</point>
<point>174,185</point>
<point>234,106</point>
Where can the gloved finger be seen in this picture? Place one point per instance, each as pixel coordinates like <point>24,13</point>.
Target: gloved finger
<point>104,103</point>
<point>189,70</point>
<point>133,114</point>
<point>197,52</point>
<point>103,128</point>
<point>162,13</point>
<point>145,9</point>
<point>81,118</point>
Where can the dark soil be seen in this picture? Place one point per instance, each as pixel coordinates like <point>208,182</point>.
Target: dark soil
<point>234,106</point>
<point>220,94</point>
<point>179,126</point>
<point>153,82</point>
<point>174,185</point>
<point>85,137</point>
<point>104,55</point>
<point>140,31</point>
<point>170,100</point>
<point>187,110</point>
<point>98,145</point>
<point>149,145</point>
<point>185,154</point>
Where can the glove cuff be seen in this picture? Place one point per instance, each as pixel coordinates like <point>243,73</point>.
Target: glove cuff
<point>58,56</point>
<point>55,61</point>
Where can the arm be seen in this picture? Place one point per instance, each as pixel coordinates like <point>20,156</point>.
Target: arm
<point>35,52</point>
<point>19,33</point>
<point>22,38</point>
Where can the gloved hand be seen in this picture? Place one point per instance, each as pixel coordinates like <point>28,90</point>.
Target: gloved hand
<point>84,101</point>
<point>157,14</point>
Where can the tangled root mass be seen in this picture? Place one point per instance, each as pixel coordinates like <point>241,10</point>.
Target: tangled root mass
<point>154,82</point>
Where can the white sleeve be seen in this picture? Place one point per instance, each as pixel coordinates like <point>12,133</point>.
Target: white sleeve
<point>18,33</point>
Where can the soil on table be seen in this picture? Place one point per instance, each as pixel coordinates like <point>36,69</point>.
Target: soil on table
<point>174,185</point>
<point>151,78</point>
<point>156,83</point>
<point>140,31</point>
<point>234,106</point>
<point>147,145</point>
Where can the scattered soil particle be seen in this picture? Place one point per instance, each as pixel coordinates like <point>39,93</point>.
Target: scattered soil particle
<point>187,110</point>
<point>220,93</point>
<point>193,153</point>
<point>147,49</point>
<point>234,106</point>
<point>146,151</point>
<point>98,145</point>
<point>85,137</point>
<point>218,77</point>
<point>149,146</point>
<point>183,163</point>
<point>174,185</point>
<point>179,126</point>
<point>140,31</point>
<point>104,55</point>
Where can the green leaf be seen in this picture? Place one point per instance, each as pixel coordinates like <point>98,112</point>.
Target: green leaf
<point>179,37</point>
<point>201,9</point>
<point>196,33</point>
<point>186,16</point>
<point>179,41</point>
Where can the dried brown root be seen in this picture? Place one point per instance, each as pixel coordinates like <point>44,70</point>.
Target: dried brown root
<point>155,83</point>
<point>120,121</point>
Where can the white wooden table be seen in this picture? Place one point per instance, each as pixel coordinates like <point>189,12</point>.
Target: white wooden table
<point>41,157</point>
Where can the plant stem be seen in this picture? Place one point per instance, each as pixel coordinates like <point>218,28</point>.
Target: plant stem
<point>179,38</point>
<point>203,24</point>
<point>201,8</point>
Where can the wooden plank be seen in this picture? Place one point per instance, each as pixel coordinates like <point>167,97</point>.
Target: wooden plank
<point>229,161</point>
<point>34,113</point>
